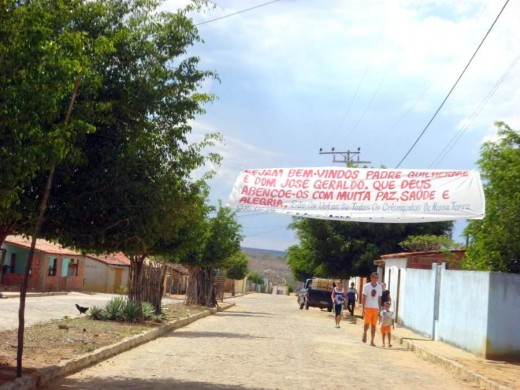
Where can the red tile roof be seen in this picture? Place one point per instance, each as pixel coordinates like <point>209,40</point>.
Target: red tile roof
<point>117,259</point>
<point>112,259</point>
<point>409,254</point>
<point>41,246</point>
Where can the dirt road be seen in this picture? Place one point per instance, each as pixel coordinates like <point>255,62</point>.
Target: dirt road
<point>264,342</point>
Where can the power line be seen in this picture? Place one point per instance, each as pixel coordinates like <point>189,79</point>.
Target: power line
<point>477,111</point>
<point>238,12</point>
<point>454,85</point>
<point>424,90</point>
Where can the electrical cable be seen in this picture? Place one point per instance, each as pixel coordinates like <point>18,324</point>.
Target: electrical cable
<point>238,12</point>
<point>454,85</point>
<point>477,111</point>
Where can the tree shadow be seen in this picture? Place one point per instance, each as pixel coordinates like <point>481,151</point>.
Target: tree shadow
<point>227,335</point>
<point>244,314</point>
<point>138,383</point>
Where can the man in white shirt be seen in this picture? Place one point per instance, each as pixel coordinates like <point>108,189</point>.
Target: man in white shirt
<point>371,305</point>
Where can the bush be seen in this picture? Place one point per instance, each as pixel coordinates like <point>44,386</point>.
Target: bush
<point>148,312</point>
<point>114,309</point>
<point>131,311</point>
<point>97,313</point>
<point>119,309</point>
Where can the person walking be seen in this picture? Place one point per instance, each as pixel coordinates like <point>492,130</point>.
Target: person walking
<point>352,296</point>
<point>371,305</point>
<point>338,298</point>
<point>387,323</point>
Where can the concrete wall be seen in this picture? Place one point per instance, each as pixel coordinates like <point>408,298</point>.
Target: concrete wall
<point>97,277</point>
<point>417,297</point>
<point>503,336</point>
<point>463,310</point>
<point>474,310</point>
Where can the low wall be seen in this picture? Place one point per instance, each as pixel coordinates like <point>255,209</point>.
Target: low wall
<point>474,310</point>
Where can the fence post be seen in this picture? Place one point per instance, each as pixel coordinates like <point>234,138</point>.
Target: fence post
<point>438,270</point>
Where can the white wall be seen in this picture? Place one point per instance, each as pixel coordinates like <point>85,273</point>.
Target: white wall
<point>463,309</point>
<point>97,276</point>
<point>417,295</point>
<point>503,336</point>
<point>477,311</point>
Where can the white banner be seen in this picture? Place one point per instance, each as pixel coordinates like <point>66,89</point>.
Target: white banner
<point>362,195</point>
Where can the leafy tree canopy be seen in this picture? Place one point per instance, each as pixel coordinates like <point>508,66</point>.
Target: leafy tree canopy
<point>428,242</point>
<point>343,249</point>
<point>131,188</point>
<point>237,266</point>
<point>42,53</point>
<point>494,243</point>
<point>255,278</point>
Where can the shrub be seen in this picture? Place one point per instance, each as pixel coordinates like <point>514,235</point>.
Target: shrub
<point>114,309</point>
<point>119,309</point>
<point>131,311</point>
<point>97,313</point>
<point>149,313</point>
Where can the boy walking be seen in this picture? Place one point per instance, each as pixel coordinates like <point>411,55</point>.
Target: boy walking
<point>386,319</point>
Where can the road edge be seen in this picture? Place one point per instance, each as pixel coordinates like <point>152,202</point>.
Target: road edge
<point>451,366</point>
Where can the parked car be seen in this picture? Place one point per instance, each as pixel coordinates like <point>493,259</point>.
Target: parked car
<point>316,292</point>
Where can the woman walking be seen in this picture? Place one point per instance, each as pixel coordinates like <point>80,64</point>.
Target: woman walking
<point>338,298</point>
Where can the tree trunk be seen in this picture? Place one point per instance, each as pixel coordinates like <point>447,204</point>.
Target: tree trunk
<point>39,221</point>
<point>202,288</point>
<point>25,280</point>
<point>135,278</point>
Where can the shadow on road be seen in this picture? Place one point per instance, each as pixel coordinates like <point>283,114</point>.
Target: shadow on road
<point>138,383</point>
<point>195,335</point>
<point>244,314</point>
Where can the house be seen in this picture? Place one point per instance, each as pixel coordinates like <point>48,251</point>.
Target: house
<point>55,268</point>
<point>389,267</point>
<point>421,260</point>
<point>106,273</point>
<point>426,288</point>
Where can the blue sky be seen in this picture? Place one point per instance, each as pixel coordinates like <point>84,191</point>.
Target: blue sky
<point>297,75</point>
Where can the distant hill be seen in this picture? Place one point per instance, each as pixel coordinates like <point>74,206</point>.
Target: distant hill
<point>271,264</point>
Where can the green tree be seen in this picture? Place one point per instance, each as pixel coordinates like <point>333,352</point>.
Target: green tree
<point>298,260</point>
<point>428,242</point>
<point>237,267</point>
<point>255,278</point>
<point>220,239</point>
<point>494,243</point>
<point>343,249</point>
<point>42,57</point>
<point>132,189</point>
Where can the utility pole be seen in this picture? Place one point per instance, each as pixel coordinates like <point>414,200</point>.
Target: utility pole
<point>349,158</point>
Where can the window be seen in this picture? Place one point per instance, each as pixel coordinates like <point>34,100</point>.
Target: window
<point>53,266</point>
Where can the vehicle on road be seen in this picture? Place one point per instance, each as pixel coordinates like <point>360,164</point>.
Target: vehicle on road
<point>316,292</point>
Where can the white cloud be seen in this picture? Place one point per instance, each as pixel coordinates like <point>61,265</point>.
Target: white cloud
<point>299,75</point>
